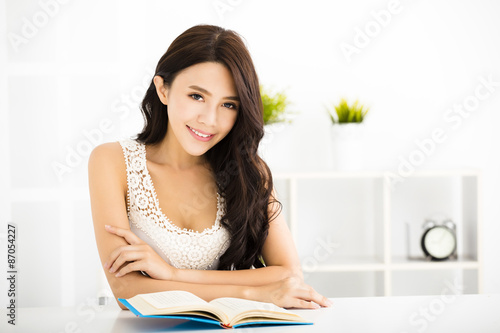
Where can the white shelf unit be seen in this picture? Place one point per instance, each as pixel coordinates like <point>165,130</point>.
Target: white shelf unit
<point>350,229</point>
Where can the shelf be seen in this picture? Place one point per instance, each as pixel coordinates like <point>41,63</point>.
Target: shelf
<point>435,282</point>
<point>373,174</point>
<point>328,175</point>
<point>347,264</point>
<point>366,216</point>
<point>400,263</point>
<point>346,268</point>
<point>347,284</point>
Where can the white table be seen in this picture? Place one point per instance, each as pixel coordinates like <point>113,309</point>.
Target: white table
<point>453,314</point>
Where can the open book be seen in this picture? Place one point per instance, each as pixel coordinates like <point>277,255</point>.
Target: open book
<point>226,312</point>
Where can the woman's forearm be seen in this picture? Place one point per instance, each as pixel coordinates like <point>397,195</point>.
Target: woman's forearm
<point>247,277</point>
<point>288,293</point>
<point>135,283</point>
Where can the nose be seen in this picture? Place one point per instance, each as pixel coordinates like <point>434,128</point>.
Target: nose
<point>208,116</point>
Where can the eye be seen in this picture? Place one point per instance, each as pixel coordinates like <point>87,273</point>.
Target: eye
<point>229,106</point>
<point>196,97</point>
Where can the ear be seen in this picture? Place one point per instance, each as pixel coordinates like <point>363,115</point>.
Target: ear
<point>161,89</point>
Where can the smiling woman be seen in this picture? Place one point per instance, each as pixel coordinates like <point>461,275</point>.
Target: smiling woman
<point>194,111</point>
<point>188,204</point>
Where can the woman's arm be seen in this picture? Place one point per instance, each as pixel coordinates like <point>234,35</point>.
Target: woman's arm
<point>108,188</point>
<point>290,292</point>
<point>279,254</point>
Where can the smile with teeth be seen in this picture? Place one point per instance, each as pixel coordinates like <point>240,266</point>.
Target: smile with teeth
<point>199,133</point>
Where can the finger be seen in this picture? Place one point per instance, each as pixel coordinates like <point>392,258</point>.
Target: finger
<point>121,255</point>
<point>113,256</point>
<point>125,258</point>
<point>126,234</point>
<point>309,294</point>
<point>301,304</point>
<point>316,297</point>
<point>130,267</point>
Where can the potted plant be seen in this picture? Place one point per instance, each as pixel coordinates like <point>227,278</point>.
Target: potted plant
<point>275,113</point>
<point>348,114</point>
<point>275,106</point>
<point>347,134</point>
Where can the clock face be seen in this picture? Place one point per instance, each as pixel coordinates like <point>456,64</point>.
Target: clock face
<point>439,242</point>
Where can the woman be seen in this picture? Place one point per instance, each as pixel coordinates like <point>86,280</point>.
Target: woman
<point>195,161</point>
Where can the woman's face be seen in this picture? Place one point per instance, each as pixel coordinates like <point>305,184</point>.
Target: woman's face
<point>202,106</point>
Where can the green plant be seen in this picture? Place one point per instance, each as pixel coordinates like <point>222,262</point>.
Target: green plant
<point>345,113</point>
<point>274,106</point>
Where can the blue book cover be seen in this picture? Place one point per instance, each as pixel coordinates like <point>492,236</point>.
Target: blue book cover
<point>212,321</point>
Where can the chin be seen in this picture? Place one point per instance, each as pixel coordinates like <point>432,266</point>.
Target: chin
<point>196,151</point>
<point>200,148</point>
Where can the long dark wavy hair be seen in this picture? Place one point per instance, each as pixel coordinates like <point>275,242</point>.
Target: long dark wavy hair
<point>242,177</point>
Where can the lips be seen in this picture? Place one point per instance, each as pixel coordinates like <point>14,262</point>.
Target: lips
<point>199,134</point>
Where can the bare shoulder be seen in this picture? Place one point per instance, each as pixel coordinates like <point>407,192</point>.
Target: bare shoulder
<point>109,153</point>
<point>107,161</point>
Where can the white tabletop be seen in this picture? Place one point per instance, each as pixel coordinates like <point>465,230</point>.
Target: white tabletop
<point>454,314</point>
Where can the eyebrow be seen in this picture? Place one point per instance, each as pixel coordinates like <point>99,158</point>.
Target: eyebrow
<point>234,98</point>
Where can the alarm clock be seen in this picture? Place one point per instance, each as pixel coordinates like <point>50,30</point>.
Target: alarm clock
<point>439,241</point>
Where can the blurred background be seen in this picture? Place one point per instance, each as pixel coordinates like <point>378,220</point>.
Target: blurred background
<point>73,74</point>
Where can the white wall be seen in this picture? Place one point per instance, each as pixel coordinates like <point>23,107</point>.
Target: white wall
<point>75,73</point>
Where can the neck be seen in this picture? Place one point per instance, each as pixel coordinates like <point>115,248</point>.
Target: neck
<point>170,152</point>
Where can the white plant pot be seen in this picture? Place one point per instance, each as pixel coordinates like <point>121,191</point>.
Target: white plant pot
<point>270,134</point>
<point>348,146</point>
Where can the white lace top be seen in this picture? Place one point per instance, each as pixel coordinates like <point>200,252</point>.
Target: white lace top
<point>181,248</point>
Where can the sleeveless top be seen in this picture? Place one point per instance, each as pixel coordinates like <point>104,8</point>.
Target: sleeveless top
<point>181,248</point>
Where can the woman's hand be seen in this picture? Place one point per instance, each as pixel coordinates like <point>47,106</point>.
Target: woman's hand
<point>137,256</point>
<point>291,292</point>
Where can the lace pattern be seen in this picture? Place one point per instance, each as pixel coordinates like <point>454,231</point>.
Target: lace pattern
<point>184,248</point>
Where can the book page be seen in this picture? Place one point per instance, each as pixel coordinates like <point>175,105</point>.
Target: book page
<point>172,299</point>
<point>236,306</point>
